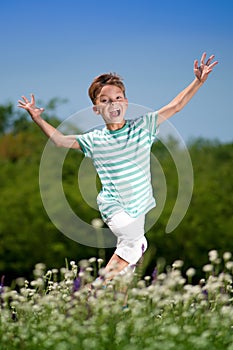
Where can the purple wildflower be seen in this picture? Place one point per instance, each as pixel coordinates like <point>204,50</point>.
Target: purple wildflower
<point>78,281</point>
<point>154,275</point>
<point>2,284</point>
<point>205,293</point>
<point>1,290</point>
<point>77,284</point>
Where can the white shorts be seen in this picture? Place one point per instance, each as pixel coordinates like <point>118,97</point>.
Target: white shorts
<point>131,240</point>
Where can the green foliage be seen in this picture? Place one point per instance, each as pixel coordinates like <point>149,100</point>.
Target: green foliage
<point>6,113</point>
<point>27,235</point>
<point>208,222</point>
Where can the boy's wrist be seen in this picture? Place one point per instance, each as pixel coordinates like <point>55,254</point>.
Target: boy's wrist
<point>35,115</point>
<point>36,119</point>
<point>198,81</point>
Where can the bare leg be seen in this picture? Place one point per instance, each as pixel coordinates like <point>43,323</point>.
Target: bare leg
<point>115,265</point>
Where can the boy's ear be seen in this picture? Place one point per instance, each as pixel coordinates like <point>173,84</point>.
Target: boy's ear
<point>95,109</point>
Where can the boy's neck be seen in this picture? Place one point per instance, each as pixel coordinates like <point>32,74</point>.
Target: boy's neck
<point>117,126</point>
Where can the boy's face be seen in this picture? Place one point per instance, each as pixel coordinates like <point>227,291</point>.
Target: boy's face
<point>111,104</point>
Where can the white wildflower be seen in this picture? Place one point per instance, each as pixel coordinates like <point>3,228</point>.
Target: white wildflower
<point>202,281</point>
<point>227,256</point>
<point>37,283</point>
<point>20,281</point>
<point>141,284</point>
<point>83,263</point>
<point>227,310</point>
<point>40,266</point>
<point>26,283</point>
<point>181,281</point>
<point>213,284</point>
<point>225,277</point>
<point>97,283</point>
<point>229,265</point>
<point>217,261</point>
<point>36,308</point>
<point>63,270</point>
<point>208,268</point>
<point>97,223</point>
<point>147,278</point>
<point>213,255</point>
<point>173,330</point>
<point>177,264</point>
<point>190,272</point>
<point>89,269</point>
<point>162,276</point>
<point>48,274</point>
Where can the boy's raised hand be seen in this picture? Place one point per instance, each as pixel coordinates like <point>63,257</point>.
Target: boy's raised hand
<point>204,69</point>
<point>30,107</point>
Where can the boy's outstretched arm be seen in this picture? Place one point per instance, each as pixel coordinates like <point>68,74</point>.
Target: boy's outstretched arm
<point>56,136</point>
<point>201,74</point>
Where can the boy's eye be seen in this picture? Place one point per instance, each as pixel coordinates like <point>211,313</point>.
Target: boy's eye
<point>104,100</point>
<point>107,100</point>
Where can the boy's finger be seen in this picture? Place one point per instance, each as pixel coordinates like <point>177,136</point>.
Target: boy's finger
<point>203,57</point>
<point>211,57</point>
<point>213,64</point>
<point>25,99</point>
<point>196,64</point>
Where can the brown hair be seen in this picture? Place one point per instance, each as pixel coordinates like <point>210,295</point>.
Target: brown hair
<point>102,80</point>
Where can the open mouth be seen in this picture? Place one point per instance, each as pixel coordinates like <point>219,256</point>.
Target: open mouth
<point>115,113</point>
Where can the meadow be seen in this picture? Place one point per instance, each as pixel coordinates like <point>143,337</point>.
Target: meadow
<point>167,310</point>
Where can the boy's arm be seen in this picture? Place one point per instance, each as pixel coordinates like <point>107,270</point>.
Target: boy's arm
<point>201,72</point>
<point>56,136</point>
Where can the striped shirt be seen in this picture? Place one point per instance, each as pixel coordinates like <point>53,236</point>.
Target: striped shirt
<point>122,161</point>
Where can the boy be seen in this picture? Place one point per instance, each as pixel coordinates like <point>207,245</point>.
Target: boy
<point>121,156</point>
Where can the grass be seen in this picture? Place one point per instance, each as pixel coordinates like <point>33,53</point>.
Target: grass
<point>163,311</point>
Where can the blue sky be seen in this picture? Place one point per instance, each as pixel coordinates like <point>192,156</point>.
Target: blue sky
<point>56,48</point>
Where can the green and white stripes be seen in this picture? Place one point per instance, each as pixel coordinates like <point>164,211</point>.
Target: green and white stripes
<point>122,161</point>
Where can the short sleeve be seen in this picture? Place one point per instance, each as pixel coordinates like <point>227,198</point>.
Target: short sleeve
<point>86,143</point>
<point>150,120</point>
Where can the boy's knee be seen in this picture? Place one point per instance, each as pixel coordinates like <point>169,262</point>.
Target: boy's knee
<point>132,251</point>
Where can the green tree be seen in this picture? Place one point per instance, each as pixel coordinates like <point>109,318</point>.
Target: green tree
<point>6,114</point>
<point>208,222</point>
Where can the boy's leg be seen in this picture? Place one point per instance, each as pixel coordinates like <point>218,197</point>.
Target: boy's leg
<point>115,265</point>
<point>131,243</point>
